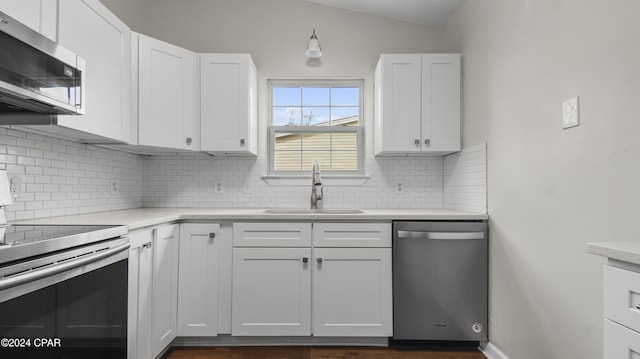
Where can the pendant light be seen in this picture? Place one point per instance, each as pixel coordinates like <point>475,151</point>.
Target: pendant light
<point>313,49</point>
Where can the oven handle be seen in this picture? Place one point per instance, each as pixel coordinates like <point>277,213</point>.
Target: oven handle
<point>60,267</point>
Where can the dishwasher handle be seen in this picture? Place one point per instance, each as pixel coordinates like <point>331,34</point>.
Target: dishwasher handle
<point>440,235</point>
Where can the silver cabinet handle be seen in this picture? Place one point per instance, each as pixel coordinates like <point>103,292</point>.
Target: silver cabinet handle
<point>427,142</point>
<point>189,140</point>
<point>319,260</point>
<point>147,245</point>
<point>60,267</point>
<point>242,142</point>
<point>305,260</point>
<point>417,142</point>
<point>440,235</point>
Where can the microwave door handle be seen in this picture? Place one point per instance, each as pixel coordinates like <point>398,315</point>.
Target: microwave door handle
<point>59,268</point>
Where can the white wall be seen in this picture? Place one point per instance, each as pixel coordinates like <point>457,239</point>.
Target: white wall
<point>550,191</point>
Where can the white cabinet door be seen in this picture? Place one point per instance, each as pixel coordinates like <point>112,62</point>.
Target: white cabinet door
<point>398,103</point>
<point>168,95</point>
<point>228,104</point>
<point>165,287</point>
<point>620,342</point>
<point>198,279</point>
<point>89,29</point>
<point>40,15</point>
<point>417,105</point>
<point>140,277</point>
<point>352,292</point>
<point>271,291</point>
<point>441,103</point>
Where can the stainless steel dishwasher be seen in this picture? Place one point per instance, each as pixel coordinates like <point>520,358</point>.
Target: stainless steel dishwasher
<point>440,281</point>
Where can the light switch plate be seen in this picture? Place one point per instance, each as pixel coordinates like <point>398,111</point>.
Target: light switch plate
<point>571,113</point>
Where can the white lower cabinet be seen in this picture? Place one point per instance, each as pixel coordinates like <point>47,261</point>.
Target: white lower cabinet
<point>153,282</point>
<point>352,293</point>
<point>622,312</point>
<point>199,268</point>
<point>164,299</point>
<point>282,290</point>
<point>271,291</point>
<point>140,274</point>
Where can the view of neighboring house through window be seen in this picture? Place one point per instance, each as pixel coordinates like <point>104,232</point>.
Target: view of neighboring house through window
<point>316,120</point>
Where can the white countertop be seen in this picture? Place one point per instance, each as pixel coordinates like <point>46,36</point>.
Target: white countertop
<point>144,217</point>
<point>628,251</point>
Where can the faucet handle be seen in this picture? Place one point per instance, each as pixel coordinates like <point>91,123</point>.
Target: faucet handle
<point>321,192</point>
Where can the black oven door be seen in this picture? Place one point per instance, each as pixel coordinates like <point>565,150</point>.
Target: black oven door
<point>77,311</point>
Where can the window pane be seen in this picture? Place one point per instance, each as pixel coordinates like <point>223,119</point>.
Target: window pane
<point>316,141</point>
<point>344,141</point>
<point>345,116</point>
<point>286,96</point>
<point>315,116</point>
<point>344,161</point>
<point>286,116</point>
<point>287,160</point>
<point>315,96</point>
<point>323,158</point>
<point>288,142</point>
<point>345,96</point>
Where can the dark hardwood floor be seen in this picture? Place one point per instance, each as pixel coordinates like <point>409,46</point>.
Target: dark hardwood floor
<point>294,352</point>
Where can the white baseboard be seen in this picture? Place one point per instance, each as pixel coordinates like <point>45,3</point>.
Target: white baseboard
<point>492,352</point>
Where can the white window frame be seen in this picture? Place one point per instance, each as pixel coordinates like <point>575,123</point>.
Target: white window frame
<point>359,129</point>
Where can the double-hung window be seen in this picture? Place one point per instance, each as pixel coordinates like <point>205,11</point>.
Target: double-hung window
<point>316,120</point>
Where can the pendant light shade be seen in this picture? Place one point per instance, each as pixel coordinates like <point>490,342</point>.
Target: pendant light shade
<point>313,49</point>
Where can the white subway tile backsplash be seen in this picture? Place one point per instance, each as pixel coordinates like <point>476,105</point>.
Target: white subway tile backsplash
<point>62,177</point>
<point>465,179</point>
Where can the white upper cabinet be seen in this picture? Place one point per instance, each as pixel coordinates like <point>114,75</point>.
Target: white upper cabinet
<point>40,15</point>
<point>89,29</point>
<point>417,104</point>
<point>168,114</point>
<point>228,104</point>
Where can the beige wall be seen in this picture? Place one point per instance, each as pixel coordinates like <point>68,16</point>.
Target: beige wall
<point>551,190</point>
<point>276,33</point>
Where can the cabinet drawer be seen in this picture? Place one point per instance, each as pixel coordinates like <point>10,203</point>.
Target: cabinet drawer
<point>622,296</point>
<point>352,235</point>
<point>271,234</point>
<point>620,342</point>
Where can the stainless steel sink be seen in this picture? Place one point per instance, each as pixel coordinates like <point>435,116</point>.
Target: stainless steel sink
<point>311,211</point>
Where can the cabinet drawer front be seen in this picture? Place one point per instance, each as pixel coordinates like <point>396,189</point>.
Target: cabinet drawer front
<point>622,296</point>
<point>272,234</point>
<point>620,342</point>
<point>352,235</point>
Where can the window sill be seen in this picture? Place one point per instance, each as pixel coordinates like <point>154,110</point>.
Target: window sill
<point>354,180</point>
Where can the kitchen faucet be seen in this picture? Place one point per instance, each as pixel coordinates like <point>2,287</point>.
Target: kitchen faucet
<point>315,181</point>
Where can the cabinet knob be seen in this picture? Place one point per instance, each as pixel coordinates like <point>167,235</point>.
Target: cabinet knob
<point>417,142</point>
<point>319,260</point>
<point>147,245</point>
<point>212,235</point>
<point>189,141</point>
<point>242,142</point>
<point>638,306</point>
<point>305,260</point>
<point>427,142</point>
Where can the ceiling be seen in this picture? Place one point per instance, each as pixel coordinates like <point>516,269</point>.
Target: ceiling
<point>427,12</point>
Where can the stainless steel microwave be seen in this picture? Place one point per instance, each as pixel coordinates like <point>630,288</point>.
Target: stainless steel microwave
<point>37,76</point>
